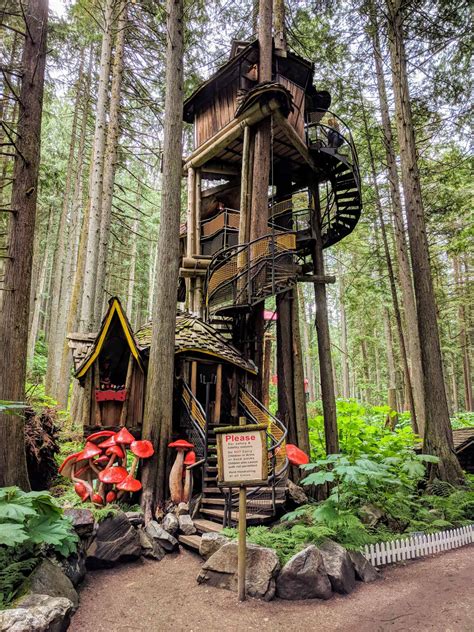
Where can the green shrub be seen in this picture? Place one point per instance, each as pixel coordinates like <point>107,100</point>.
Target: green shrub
<point>29,523</point>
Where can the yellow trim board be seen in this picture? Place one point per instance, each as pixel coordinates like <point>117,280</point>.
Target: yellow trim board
<point>114,308</point>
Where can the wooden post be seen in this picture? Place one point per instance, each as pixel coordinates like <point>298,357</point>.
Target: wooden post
<point>244,188</point>
<point>190,234</point>
<point>194,377</point>
<point>242,550</point>
<point>97,413</point>
<point>217,407</point>
<point>197,241</point>
<point>128,384</point>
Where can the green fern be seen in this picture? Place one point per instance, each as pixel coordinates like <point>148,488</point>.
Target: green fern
<point>12,575</point>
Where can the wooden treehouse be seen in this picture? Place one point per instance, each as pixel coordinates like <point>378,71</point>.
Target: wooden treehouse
<point>235,254</point>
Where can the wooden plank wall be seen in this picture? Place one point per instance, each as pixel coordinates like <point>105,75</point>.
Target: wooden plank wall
<point>296,118</point>
<point>216,113</point>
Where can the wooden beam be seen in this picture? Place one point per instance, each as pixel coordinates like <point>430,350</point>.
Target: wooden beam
<point>230,132</point>
<point>294,139</point>
<point>194,377</point>
<point>128,384</point>
<point>316,278</point>
<point>196,262</point>
<point>244,188</point>
<point>220,168</point>
<point>97,411</point>
<point>191,273</point>
<point>217,407</point>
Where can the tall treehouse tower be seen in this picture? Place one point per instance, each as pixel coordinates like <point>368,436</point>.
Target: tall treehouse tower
<point>239,251</point>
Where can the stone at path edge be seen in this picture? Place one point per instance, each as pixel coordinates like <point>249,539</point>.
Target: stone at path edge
<point>304,576</point>
<point>338,567</point>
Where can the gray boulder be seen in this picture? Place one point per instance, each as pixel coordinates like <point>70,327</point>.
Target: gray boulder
<point>364,570</point>
<point>338,567</point>
<point>115,541</point>
<point>49,579</point>
<point>186,525</point>
<point>37,613</point>
<point>182,508</point>
<point>165,539</point>
<point>295,493</point>
<point>220,570</point>
<point>370,514</point>
<point>82,521</point>
<point>304,577</point>
<point>150,547</point>
<point>170,523</point>
<point>210,543</point>
<point>73,566</point>
<point>135,518</point>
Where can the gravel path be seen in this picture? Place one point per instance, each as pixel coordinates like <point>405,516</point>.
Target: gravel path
<point>434,594</point>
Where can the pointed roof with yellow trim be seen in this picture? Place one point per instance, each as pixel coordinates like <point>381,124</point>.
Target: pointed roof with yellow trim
<point>83,364</point>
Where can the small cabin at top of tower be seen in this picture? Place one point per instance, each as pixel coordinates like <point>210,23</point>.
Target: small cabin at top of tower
<point>214,103</point>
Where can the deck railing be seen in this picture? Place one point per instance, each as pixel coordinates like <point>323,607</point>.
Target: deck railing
<point>246,274</point>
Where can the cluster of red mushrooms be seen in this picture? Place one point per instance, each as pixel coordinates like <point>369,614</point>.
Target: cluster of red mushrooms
<point>99,471</point>
<point>181,475</point>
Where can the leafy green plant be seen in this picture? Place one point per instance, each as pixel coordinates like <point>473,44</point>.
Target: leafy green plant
<point>29,522</point>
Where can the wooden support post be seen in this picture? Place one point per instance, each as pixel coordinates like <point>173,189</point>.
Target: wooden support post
<point>194,377</point>
<point>217,407</point>
<point>197,242</point>
<point>324,340</point>
<point>128,384</point>
<point>97,412</point>
<point>242,547</point>
<point>190,220</point>
<point>244,188</point>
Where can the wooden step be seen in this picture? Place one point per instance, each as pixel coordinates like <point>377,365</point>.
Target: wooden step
<point>191,541</point>
<point>207,526</point>
<point>219,515</point>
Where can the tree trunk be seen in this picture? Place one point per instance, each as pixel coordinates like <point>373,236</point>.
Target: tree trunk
<point>17,284</point>
<point>110,157</point>
<point>306,348</point>
<point>87,315</point>
<point>438,439</point>
<point>324,339</point>
<point>392,374</point>
<point>346,393</point>
<point>58,279</point>
<point>401,246</point>
<point>463,339</point>
<point>159,393</point>
<point>133,261</point>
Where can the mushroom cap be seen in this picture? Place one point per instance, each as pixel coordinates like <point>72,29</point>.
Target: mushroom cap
<point>130,484</point>
<point>85,472</point>
<point>143,449</point>
<point>101,460</point>
<point>113,474</point>
<point>190,458</point>
<point>108,443</point>
<point>124,436</point>
<point>181,444</point>
<point>102,434</point>
<point>65,469</point>
<point>90,450</point>
<point>115,449</point>
<point>111,496</point>
<point>295,455</point>
<point>97,499</point>
<point>81,491</point>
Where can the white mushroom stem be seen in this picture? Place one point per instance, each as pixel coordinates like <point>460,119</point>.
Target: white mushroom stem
<point>176,478</point>
<point>188,485</point>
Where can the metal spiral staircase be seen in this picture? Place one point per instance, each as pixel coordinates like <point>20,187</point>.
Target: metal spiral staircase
<point>242,276</point>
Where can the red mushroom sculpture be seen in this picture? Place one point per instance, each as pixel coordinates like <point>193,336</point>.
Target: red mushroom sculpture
<point>295,455</point>
<point>176,474</point>
<point>189,459</point>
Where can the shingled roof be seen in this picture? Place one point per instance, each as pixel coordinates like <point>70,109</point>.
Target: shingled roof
<point>462,438</point>
<point>193,335</point>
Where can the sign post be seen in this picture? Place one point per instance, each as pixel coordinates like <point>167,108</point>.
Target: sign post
<point>242,459</point>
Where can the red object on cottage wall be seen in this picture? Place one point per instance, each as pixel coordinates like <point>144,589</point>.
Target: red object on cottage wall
<point>109,396</point>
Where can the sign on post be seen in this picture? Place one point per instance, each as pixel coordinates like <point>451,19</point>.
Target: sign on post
<point>242,455</point>
<point>242,459</point>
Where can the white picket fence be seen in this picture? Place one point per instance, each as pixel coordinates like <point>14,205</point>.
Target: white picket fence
<point>418,545</point>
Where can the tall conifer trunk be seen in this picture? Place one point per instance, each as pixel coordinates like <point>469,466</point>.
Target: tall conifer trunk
<point>17,283</point>
<point>438,438</point>
<point>159,393</point>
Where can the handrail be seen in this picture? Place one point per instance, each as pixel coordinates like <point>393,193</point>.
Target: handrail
<point>343,130</point>
<point>238,267</point>
<point>195,410</point>
<point>276,431</point>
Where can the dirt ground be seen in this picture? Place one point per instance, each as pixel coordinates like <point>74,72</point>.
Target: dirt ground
<point>436,594</point>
